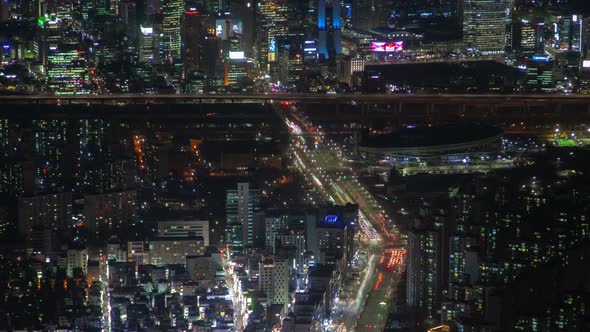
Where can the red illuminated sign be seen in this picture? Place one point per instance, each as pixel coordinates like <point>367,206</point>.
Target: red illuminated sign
<point>387,46</point>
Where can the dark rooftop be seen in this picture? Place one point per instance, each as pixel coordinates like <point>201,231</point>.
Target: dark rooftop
<point>430,136</point>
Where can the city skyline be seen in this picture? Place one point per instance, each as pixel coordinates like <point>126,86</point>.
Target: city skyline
<point>281,165</point>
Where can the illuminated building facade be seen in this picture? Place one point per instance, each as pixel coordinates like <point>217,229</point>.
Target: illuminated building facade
<point>273,279</point>
<point>539,74</point>
<point>272,17</point>
<point>46,172</point>
<point>324,27</point>
<point>148,45</point>
<point>484,25</point>
<point>240,206</point>
<point>184,228</point>
<point>171,14</point>
<point>67,71</point>
<point>164,251</point>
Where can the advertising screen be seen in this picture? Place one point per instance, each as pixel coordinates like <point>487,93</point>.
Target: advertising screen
<point>236,55</point>
<point>586,64</point>
<point>222,28</point>
<point>387,46</point>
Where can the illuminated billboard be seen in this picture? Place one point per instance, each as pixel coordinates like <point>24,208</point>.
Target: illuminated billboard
<point>236,55</point>
<point>233,26</point>
<point>586,64</point>
<point>387,46</point>
<point>331,218</point>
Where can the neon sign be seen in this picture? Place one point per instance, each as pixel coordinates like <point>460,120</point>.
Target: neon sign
<point>331,218</point>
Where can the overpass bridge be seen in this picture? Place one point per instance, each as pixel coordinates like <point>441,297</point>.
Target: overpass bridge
<point>365,108</point>
<point>436,99</point>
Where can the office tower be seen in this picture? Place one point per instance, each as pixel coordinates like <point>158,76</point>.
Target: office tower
<point>484,25</point>
<point>148,45</point>
<point>335,28</point>
<point>272,18</point>
<point>273,279</point>
<point>240,206</point>
<point>322,25</point>
<point>67,71</point>
<point>244,12</point>
<point>184,229</point>
<point>528,37</point>
<point>53,211</point>
<point>171,15</point>
<point>196,29</point>
<point>369,14</point>
<point>128,15</point>
<point>539,74</point>
<point>330,232</point>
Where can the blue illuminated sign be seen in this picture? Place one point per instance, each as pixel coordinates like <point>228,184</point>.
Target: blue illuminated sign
<point>331,218</point>
<point>540,58</point>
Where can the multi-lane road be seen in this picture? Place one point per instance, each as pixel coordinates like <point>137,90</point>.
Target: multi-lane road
<point>329,169</point>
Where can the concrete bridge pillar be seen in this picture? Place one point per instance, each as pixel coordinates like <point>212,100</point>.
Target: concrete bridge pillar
<point>430,113</point>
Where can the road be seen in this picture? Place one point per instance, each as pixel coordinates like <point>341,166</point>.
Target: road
<point>326,167</point>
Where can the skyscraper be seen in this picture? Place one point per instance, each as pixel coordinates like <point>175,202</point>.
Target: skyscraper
<point>272,17</point>
<point>171,14</point>
<point>369,14</point>
<point>240,206</point>
<point>484,25</point>
<point>128,15</point>
<point>196,29</point>
<point>323,28</point>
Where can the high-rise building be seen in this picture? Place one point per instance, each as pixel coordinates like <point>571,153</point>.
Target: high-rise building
<point>272,18</point>
<point>184,228</point>
<point>330,232</point>
<point>425,265</point>
<point>196,29</point>
<point>148,45</point>
<point>273,279</point>
<point>335,28</point>
<point>484,25</point>
<point>128,14</point>
<point>539,74</point>
<point>109,214</point>
<point>164,251</point>
<point>67,70</point>
<point>240,206</point>
<point>76,259</point>
<point>369,14</point>
<point>46,172</point>
<point>53,211</point>
<point>529,37</point>
<point>171,29</point>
